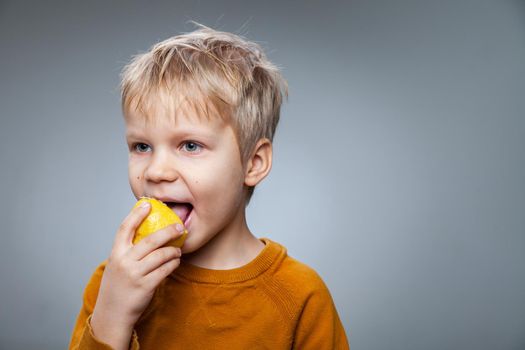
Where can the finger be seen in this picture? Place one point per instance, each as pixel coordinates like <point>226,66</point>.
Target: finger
<point>156,276</point>
<point>157,258</point>
<point>155,240</point>
<point>129,225</point>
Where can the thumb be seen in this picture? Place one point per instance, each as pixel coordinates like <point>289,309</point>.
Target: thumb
<point>129,225</point>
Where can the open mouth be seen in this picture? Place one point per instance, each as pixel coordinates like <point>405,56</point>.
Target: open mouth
<point>183,210</point>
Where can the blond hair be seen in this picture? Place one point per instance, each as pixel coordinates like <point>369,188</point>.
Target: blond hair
<point>216,74</point>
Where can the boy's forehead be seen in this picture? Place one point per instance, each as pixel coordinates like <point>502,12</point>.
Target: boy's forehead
<point>184,125</point>
<point>174,113</point>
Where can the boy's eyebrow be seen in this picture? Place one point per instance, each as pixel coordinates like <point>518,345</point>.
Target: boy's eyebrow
<point>180,133</point>
<point>133,135</point>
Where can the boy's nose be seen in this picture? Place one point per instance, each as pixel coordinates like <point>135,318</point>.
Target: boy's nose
<point>161,168</point>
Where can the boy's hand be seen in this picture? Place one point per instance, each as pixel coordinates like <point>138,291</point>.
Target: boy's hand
<point>132,274</point>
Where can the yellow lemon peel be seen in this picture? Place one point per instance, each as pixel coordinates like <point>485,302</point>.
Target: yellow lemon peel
<point>159,217</point>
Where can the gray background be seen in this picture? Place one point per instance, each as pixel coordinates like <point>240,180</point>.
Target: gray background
<point>398,173</point>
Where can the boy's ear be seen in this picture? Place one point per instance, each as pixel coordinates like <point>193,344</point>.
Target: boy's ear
<point>260,163</point>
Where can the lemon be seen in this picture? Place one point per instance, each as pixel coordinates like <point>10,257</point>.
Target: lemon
<point>160,216</point>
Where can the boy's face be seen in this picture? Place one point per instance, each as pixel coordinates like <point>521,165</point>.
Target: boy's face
<point>189,160</point>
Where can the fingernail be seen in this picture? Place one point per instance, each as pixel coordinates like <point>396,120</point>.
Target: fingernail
<point>144,205</point>
<point>179,227</point>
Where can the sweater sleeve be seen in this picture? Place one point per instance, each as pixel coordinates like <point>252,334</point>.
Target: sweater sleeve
<point>319,326</point>
<point>82,337</point>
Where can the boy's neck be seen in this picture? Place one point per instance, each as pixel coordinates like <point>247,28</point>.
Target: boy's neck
<point>234,247</point>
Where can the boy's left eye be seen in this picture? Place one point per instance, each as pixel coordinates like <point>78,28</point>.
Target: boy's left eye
<point>191,146</point>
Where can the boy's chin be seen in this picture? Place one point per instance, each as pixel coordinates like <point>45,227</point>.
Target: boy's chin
<point>189,247</point>
<point>192,246</point>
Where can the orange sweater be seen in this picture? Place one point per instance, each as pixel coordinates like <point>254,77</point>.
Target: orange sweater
<point>273,302</point>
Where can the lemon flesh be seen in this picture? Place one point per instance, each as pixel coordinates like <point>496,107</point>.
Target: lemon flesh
<point>158,218</point>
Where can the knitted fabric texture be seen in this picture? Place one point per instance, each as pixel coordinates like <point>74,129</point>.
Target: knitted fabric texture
<point>274,302</point>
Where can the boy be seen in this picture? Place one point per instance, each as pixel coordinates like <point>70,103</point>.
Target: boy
<point>201,111</point>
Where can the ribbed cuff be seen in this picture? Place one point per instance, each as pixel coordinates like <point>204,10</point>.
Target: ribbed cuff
<point>89,341</point>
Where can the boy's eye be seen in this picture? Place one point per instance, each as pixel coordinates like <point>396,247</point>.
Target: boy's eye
<point>191,146</point>
<point>140,147</point>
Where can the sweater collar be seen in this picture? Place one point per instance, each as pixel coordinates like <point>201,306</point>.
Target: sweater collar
<point>271,254</point>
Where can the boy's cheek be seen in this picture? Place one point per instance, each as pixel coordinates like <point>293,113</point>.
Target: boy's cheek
<point>136,191</point>
<point>135,180</point>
